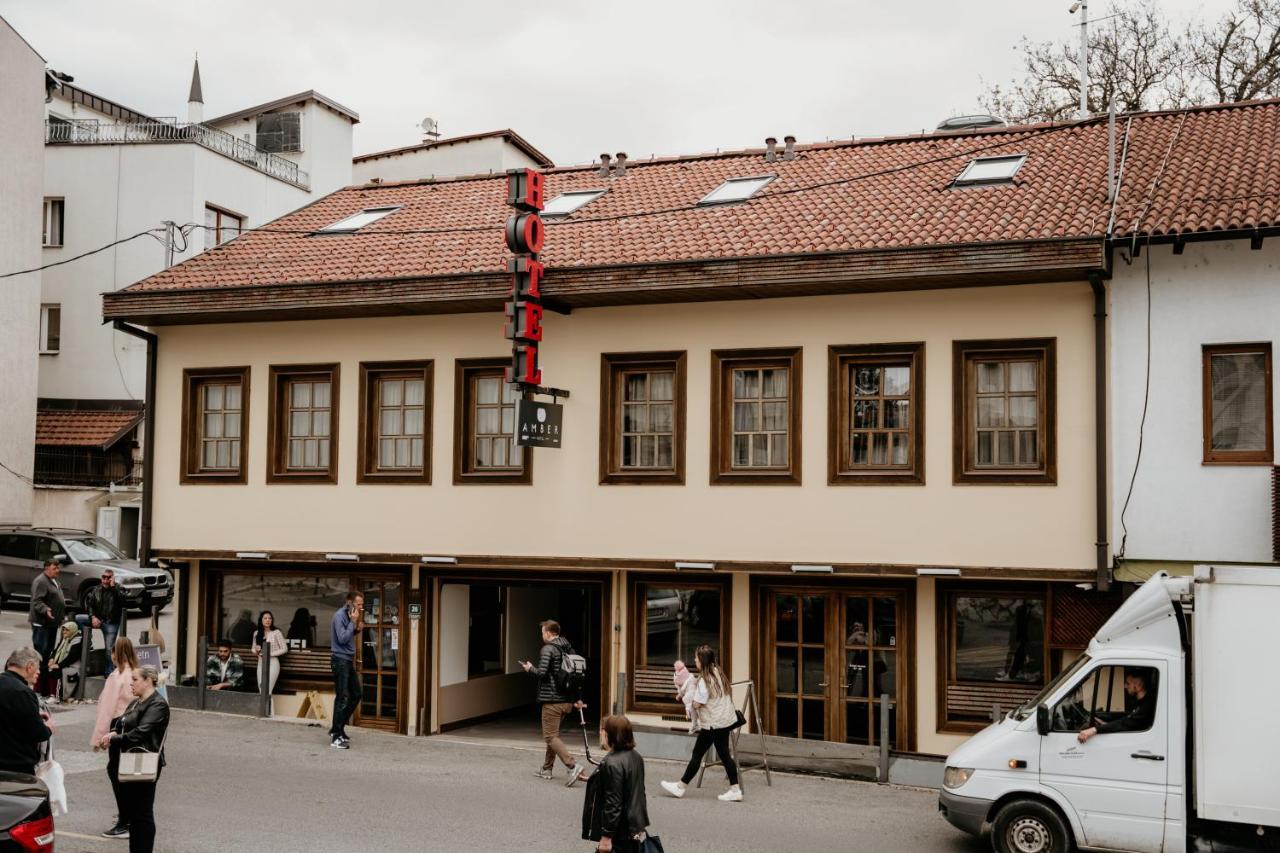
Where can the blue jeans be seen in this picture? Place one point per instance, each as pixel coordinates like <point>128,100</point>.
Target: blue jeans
<point>110,630</point>
<point>346,694</point>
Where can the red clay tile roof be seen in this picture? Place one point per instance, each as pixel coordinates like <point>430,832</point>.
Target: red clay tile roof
<point>83,428</point>
<point>1223,173</point>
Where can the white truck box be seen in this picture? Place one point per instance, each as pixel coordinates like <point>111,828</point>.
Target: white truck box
<point>1236,647</point>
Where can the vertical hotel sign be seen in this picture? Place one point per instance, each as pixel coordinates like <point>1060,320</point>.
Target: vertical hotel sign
<point>537,424</point>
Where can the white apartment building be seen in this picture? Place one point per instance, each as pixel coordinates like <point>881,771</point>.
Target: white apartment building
<point>1194,348</point>
<point>112,172</point>
<point>22,91</point>
<point>472,154</point>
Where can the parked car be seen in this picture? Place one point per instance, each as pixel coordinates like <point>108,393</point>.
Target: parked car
<point>26,821</point>
<point>24,550</point>
<point>665,609</point>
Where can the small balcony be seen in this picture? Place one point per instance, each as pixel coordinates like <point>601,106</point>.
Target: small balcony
<point>92,132</point>
<point>87,467</point>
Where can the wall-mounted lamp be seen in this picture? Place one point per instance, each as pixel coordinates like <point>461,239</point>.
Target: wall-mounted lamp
<point>814,570</point>
<point>343,558</point>
<point>708,567</point>
<point>252,555</point>
<point>952,573</point>
<point>448,560</point>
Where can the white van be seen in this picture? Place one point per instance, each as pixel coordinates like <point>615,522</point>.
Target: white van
<point>1182,685</point>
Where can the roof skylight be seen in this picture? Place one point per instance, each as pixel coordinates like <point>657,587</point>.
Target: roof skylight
<point>566,203</point>
<point>358,220</point>
<point>736,189</point>
<point>990,170</point>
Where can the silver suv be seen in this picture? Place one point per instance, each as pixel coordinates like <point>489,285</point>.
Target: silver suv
<point>84,556</point>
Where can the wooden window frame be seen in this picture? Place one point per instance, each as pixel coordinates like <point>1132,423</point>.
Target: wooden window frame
<point>219,214</point>
<point>277,424</point>
<point>463,429</point>
<point>193,380</point>
<point>613,367</point>
<point>371,372</point>
<point>964,408</point>
<point>637,614</point>
<point>944,596</point>
<point>1234,457</point>
<point>723,363</point>
<point>840,359</point>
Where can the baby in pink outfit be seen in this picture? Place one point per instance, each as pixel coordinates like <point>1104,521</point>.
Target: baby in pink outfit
<point>685,682</point>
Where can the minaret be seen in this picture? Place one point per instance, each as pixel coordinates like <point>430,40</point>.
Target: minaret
<point>195,101</point>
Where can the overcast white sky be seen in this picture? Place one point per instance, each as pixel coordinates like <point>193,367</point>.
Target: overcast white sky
<point>574,77</point>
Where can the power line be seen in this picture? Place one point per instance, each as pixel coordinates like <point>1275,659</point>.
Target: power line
<point>23,477</point>
<point>153,232</point>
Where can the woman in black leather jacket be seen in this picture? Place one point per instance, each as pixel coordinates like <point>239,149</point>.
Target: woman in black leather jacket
<point>616,811</point>
<point>142,725</point>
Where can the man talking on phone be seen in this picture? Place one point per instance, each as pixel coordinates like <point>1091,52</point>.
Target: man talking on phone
<point>343,632</point>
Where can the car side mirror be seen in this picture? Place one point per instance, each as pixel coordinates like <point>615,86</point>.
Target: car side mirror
<point>1042,720</point>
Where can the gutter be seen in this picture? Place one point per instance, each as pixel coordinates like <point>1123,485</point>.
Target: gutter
<point>1101,544</point>
<point>148,436</point>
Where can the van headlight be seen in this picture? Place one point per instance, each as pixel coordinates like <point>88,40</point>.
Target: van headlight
<point>954,777</point>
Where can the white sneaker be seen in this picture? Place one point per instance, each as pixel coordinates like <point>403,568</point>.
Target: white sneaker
<point>675,789</point>
<point>579,771</point>
<point>733,795</point>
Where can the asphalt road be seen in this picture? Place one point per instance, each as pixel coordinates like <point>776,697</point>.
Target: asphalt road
<point>237,783</point>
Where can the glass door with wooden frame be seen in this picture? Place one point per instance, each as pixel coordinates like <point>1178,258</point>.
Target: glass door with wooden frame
<point>380,676</point>
<point>830,655</point>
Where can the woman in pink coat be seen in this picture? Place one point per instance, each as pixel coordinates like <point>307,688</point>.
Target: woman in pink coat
<point>117,693</point>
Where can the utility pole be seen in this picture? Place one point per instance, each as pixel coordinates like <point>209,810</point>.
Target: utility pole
<point>1083,7</point>
<point>169,225</point>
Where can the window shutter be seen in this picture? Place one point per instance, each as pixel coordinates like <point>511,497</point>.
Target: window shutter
<point>291,131</point>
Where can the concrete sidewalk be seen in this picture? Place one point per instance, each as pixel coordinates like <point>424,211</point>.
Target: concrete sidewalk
<point>236,783</point>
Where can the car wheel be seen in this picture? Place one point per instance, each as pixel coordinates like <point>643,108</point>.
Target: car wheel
<point>1029,826</point>
<point>82,602</point>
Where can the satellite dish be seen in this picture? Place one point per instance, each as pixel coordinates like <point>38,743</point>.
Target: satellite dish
<point>429,125</point>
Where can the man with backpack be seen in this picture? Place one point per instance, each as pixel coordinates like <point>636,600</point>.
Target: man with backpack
<point>561,673</point>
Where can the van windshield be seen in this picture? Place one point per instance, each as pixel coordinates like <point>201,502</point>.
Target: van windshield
<point>1026,709</point>
<point>88,549</point>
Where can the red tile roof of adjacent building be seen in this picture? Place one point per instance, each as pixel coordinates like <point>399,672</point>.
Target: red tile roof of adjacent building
<point>84,428</point>
<point>1205,169</point>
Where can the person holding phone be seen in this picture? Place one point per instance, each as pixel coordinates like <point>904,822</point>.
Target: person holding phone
<point>344,628</point>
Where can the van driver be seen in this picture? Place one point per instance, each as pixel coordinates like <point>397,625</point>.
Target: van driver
<point>1139,717</point>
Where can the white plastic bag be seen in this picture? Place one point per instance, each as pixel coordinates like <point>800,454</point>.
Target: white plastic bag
<point>50,773</point>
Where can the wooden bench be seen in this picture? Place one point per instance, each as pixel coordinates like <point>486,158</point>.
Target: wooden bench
<point>300,668</point>
<point>976,700</point>
<point>654,681</point>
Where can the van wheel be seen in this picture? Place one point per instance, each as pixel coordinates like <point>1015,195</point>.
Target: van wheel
<point>1028,826</point>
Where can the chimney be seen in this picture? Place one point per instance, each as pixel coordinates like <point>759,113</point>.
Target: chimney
<point>195,100</point>
<point>620,164</point>
<point>790,152</point>
<point>604,166</point>
<point>771,150</point>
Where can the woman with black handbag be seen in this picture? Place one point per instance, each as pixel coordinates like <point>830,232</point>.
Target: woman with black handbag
<point>717,718</point>
<point>138,735</point>
<point>616,812</point>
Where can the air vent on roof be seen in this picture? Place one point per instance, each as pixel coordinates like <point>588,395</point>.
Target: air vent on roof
<point>736,189</point>
<point>990,170</point>
<point>566,203</point>
<point>358,220</point>
<point>956,123</point>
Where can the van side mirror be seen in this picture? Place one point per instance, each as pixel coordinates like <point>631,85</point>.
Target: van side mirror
<point>1042,720</point>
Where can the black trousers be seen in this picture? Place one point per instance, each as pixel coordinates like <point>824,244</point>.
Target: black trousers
<point>707,737</point>
<point>137,802</point>
<point>346,694</point>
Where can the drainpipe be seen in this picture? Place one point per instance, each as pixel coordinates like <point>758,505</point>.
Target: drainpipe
<point>148,436</point>
<point>1100,428</point>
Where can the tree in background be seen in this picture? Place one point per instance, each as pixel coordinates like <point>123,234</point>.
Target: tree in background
<point>1138,59</point>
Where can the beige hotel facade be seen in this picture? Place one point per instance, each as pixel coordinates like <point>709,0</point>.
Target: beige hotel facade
<point>859,461</point>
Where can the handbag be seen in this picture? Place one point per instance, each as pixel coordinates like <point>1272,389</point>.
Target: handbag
<point>651,844</point>
<point>739,722</point>
<point>50,773</point>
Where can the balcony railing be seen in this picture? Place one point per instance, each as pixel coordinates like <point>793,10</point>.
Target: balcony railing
<point>86,467</point>
<point>90,132</point>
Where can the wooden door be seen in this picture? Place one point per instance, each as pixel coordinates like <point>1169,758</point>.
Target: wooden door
<point>381,679</point>
<point>829,656</point>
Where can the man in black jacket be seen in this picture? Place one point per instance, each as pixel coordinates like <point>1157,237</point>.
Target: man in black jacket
<point>106,611</point>
<point>46,614</point>
<point>555,705</point>
<point>1140,715</point>
<point>23,725</point>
